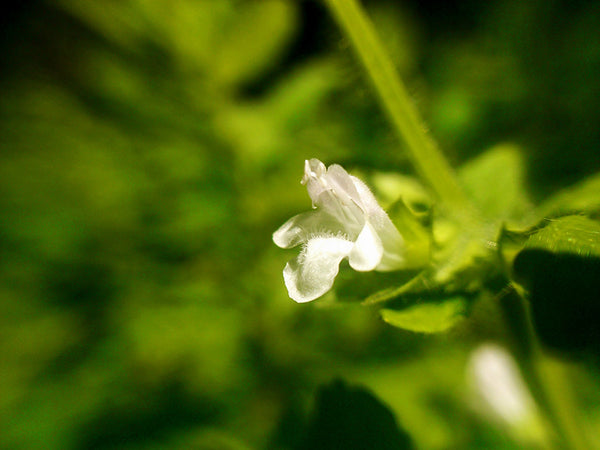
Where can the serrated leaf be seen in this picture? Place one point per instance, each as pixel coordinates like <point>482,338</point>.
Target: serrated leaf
<point>583,197</point>
<point>495,181</point>
<point>428,317</point>
<point>577,235</point>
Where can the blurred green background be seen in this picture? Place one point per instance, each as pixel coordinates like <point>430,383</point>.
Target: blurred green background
<point>149,148</point>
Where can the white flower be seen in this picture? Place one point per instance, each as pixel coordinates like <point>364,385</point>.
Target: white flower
<point>346,222</point>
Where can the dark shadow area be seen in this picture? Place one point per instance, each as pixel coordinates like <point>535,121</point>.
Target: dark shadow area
<point>152,417</point>
<point>565,299</point>
<point>352,418</point>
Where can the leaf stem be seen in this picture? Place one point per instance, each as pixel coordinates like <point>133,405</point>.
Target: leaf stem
<point>429,162</point>
<point>547,385</point>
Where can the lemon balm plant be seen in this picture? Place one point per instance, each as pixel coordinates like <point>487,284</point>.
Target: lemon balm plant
<point>482,235</point>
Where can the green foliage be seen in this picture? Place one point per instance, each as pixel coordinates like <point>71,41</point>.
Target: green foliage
<point>576,235</point>
<point>427,317</point>
<point>495,181</point>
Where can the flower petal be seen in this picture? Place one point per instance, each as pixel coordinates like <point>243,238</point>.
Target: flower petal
<point>393,242</point>
<point>342,184</point>
<point>330,188</point>
<point>394,247</point>
<point>349,214</point>
<point>367,200</point>
<point>367,251</point>
<point>294,231</point>
<point>302,226</point>
<point>311,274</point>
<point>314,179</point>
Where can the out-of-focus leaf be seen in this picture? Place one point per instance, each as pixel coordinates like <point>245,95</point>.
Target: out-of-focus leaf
<point>296,98</point>
<point>230,42</point>
<point>352,418</point>
<point>117,21</point>
<point>495,181</point>
<point>391,187</point>
<point>428,317</point>
<point>583,197</point>
<point>254,37</point>
<point>259,131</point>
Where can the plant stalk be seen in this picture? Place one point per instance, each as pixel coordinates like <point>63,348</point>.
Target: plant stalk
<point>429,162</point>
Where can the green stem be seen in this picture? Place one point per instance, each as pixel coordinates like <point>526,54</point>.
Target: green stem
<point>429,162</point>
<point>548,387</point>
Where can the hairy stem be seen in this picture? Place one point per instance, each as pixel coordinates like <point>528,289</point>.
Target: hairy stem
<point>429,162</point>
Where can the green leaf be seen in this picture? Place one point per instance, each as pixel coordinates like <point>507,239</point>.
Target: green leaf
<point>418,284</point>
<point>358,287</point>
<point>428,317</point>
<point>584,197</point>
<point>577,235</point>
<point>417,237</point>
<point>259,130</point>
<point>391,186</point>
<point>496,183</point>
